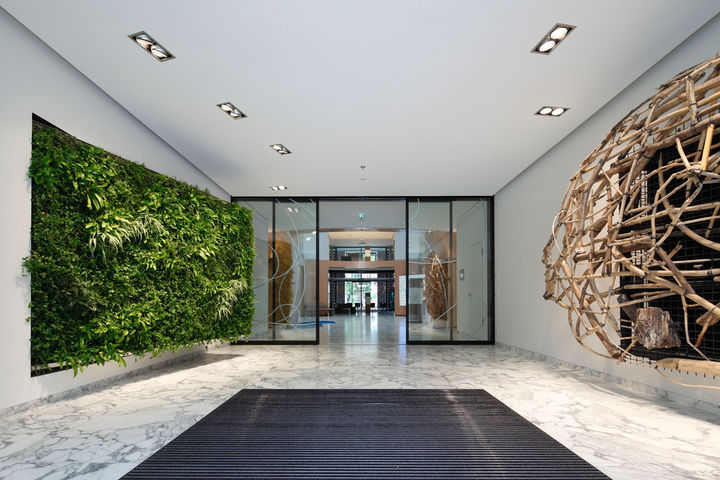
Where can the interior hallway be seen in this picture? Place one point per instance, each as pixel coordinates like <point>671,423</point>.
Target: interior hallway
<point>104,434</point>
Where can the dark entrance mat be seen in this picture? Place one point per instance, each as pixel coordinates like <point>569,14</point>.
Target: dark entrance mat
<point>390,434</point>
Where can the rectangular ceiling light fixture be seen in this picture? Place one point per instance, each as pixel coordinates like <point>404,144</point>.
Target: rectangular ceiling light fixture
<point>551,111</point>
<point>280,148</point>
<point>151,46</point>
<point>231,110</point>
<point>552,39</point>
<point>276,188</point>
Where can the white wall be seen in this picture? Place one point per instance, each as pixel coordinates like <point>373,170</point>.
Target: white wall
<point>524,210</point>
<point>36,80</point>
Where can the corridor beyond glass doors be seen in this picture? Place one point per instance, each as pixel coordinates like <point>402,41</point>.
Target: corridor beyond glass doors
<point>362,261</point>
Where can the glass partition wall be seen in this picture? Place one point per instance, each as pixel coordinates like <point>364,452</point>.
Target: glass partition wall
<point>444,287</point>
<point>449,285</point>
<point>285,270</point>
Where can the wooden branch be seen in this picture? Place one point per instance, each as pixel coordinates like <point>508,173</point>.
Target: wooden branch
<point>697,366</point>
<point>706,149</point>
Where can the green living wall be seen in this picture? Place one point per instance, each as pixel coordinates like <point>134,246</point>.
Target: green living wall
<point>127,261</point>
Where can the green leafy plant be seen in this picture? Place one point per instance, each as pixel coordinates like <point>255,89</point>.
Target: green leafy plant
<point>127,261</point>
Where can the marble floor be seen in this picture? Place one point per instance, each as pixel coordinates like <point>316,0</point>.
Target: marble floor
<point>104,434</point>
<point>361,328</point>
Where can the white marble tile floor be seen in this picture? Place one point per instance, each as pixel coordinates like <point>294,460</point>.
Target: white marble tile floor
<point>104,434</point>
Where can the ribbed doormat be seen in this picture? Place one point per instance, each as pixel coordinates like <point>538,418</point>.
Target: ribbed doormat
<point>352,434</point>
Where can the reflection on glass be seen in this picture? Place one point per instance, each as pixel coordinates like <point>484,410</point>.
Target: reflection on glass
<point>262,226</point>
<point>470,234</point>
<point>430,302</point>
<point>449,284</point>
<point>292,260</point>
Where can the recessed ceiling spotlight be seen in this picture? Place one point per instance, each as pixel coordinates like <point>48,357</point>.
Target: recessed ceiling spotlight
<point>276,188</point>
<point>281,149</point>
<point>546,46</point>
<point>551,111</point>
<point>151,46</point>
<point>552,39</point>
<point>231,110</point>
<point>559,33</point>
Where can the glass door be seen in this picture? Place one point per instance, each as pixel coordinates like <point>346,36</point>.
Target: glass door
<point>472,275</point>
<point>430,262</point>
<point>431,299</point>
<point>285,270</point>
<point>293,259</point>
<point>449,285</point>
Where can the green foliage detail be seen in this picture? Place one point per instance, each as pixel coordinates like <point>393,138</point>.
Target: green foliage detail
<point>127,261</point>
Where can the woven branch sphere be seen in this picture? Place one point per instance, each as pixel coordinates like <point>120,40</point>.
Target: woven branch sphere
<point>641,202</point>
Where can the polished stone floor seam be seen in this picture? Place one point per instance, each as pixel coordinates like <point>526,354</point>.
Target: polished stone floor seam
<point>104,434</point>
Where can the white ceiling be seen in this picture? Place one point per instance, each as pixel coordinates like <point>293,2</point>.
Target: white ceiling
<point>435,97</point>
<point>345,215</point>
<point>370,239</point>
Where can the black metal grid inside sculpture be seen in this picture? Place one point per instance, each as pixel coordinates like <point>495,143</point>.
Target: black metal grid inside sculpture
<point>691,255</point>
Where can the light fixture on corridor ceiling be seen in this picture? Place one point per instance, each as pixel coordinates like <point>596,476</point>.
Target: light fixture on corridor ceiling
<point>552,39</point>
<point>232,111</point>
<point>280,148</point>
<point>276,188</point>
<point>149,44</point>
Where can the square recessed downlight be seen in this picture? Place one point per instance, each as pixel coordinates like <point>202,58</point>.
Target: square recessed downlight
<point>280,148</point>
<point>552,39</point>
<point>232,111</point>
<point>151,46</point>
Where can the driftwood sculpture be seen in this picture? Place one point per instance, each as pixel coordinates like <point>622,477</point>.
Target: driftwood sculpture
<point>634,254</point>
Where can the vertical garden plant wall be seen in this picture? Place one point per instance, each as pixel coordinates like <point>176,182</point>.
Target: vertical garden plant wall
<point>127,261</point>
